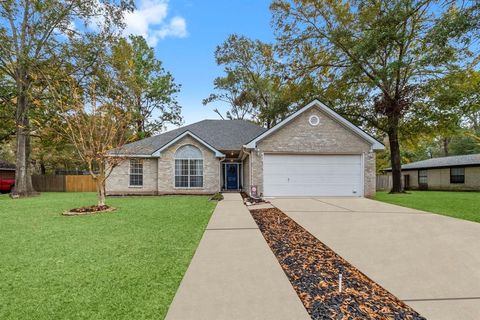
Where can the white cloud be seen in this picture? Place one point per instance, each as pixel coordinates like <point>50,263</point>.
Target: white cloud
<point>150,21</point>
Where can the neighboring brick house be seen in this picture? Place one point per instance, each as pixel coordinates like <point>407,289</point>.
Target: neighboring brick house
<point>313,152</point>
<point>460,173</point>
<point>7,170</point>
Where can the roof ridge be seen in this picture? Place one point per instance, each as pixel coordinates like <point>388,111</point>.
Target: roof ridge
<point>444,157</point>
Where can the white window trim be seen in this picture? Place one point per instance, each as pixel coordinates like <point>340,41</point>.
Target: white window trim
<point>130,173</point>
<point>175,171</point>
<point>188,161</point>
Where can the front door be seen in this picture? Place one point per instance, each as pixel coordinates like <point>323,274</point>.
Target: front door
<point>232,175</point>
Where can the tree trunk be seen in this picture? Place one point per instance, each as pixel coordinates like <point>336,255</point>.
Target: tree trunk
<point>140,129</point>
<point>20,165</point>
<point>140,121</point>
<point>23,178</point>
<point>28,150</point>
<point>446,141</point>
<point>100,192</point>
<point>43,170</point>
<point>395,158</point>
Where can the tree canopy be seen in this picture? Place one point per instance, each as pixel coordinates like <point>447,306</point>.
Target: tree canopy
<point>377,58</point>
<point>255,85</point>
<point>33,36</point>
<point>148,89</point>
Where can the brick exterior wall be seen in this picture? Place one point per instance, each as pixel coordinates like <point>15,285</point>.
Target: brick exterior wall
<point>118,183</point>
<point>159,174</point>
<point>328,137</point>
<point>298,136</point>
<point>166,170</point>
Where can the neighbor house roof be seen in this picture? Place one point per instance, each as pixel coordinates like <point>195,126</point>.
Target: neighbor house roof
<point>316,103</point>
<point>5,165</point>
<point>452,161</point>
<point>216,134</point>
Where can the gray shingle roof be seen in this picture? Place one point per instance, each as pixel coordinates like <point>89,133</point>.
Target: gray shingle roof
<point>452,161</point>
<point>6,165</point>
<point>220,134</point>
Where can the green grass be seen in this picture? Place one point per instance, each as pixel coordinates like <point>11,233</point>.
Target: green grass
<point>122,265</point>
<point>462,205</point>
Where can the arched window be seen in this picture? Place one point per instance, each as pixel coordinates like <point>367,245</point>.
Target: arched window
<point>188,167</point>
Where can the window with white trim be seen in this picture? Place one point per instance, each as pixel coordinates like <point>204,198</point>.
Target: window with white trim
<point>136,172</point>
<point>188,167</point>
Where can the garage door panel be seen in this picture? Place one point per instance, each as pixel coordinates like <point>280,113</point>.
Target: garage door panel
<point>324,169</point>
<point>311,159</point>
<point>343,178</point>
<point>312,175</point>
<point>309,191</point>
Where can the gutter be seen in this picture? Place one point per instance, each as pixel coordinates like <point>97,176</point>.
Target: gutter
<point>131,155</point>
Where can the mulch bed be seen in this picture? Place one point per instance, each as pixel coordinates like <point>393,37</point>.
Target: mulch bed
<point>313,269</point>
<point>88,210</point>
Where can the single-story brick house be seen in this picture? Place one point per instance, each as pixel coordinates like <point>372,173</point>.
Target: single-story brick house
<point>7,170</point>
<point>313,152</point>
<point>446,173</point>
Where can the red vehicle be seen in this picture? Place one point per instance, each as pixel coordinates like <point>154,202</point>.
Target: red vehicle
<point>6,186</point>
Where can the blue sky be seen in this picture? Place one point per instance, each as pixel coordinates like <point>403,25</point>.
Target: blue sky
<point>185,33</point>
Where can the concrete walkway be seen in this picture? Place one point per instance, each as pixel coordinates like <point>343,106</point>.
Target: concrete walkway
<point>432,262</point>
<point>234,274</point>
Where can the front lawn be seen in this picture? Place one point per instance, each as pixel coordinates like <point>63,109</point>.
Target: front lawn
<point>462,205</point>
<point>122,265</point>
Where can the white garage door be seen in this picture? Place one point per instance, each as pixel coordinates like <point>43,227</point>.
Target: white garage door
<point>312,175</point>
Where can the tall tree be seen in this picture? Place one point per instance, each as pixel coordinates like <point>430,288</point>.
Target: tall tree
<point>92,114</point>
<point>150,90</point>
<point>460,93</point>
<point>31,33</point>
<point>378,56</point>
<point>255,84</point>
<point>231,90</point>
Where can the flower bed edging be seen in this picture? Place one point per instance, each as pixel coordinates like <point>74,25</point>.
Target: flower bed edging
<point>88,211</point>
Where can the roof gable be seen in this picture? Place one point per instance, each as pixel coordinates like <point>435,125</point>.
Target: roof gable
<point>347,124</point>
<point>158,153</point>
<point>219,134</point>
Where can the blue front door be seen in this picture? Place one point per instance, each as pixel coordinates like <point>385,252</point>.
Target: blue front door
<point>232,176</point>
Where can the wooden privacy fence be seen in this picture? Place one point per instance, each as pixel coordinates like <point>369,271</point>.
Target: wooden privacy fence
<point>79,184</point>
<point>384,182</point>
<point>67,183</point>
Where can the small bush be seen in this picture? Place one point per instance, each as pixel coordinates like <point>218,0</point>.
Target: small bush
<point>217,197</point>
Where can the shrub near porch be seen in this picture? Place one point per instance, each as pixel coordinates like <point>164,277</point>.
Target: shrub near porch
<point>122,265</point>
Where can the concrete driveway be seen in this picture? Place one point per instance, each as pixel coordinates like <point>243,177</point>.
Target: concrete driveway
<point>431,262</point>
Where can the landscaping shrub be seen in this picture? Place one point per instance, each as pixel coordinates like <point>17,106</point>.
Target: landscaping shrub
<point>217,197</point>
